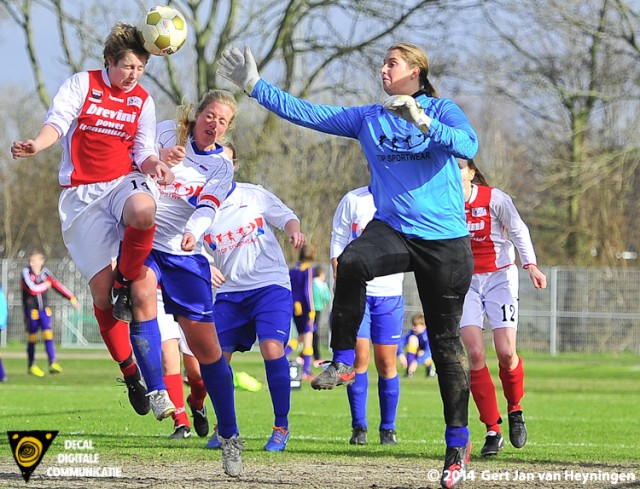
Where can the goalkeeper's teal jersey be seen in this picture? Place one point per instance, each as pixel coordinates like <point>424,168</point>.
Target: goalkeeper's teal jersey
<point>415,179</point>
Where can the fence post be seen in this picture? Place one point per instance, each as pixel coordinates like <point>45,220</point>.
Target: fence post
<point>553,316</point>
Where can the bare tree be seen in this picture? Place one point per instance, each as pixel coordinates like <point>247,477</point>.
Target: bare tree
<point>551,87</point>
<point>567,66</point>
<point>28,188</point>
<point>325,50</point>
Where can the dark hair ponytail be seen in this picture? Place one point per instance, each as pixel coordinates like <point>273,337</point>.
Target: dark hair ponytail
<point>427,88</point>
<point>478,177</point>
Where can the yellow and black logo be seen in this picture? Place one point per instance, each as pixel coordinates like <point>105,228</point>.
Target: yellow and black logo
<point>28,448</point>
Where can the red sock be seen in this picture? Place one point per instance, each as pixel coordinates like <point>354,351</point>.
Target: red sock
<point>198,392</point>
<point>176,394</point>
<point>513,386</point>
<point>484,395</point>
<point>115,335</point>
<point>136,245</point>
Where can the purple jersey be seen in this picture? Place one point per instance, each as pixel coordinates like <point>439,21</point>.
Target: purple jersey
<point>301,276</point>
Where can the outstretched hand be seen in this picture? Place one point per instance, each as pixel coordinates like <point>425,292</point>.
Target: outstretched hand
<point>23,149</point>
<point>240,69</point>
<point>409,109</point>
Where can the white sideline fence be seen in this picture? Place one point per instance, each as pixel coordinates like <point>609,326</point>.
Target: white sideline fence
<point>590,310</point>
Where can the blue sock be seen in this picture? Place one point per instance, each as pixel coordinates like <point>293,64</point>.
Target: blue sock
<point>218,379</point>
<point>2,372</point>
<point>344,356</point>
<point>456,436</point>
<point>357,394</point>
<point>279,389</point>
<point>388,395</point>
<point>147,347</point>
<point>306,366</point>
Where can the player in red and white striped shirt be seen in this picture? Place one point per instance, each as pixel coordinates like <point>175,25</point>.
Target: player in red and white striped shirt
<point>105,122</point>
<point>496,228</point>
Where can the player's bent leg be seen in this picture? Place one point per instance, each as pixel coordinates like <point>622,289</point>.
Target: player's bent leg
<point>138,216</point>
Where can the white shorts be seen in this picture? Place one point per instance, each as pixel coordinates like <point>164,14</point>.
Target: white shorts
<point>170,329</point>
<point>91,218</point>
<point>494,294</point>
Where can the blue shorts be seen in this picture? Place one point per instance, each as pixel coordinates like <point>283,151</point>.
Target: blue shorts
<point>383,320</point>
<point>264,313</point>
<point>423,357</point>
<point>186,284</point>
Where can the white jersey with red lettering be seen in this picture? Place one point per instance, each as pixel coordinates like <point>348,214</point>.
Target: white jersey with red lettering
<point>242,243</point>
<point>202,178</point>
<point>495,226</point>
<point>354,212</point>
<point>103,129</point>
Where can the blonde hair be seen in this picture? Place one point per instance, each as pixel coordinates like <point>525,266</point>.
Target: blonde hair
<point>232,150</point>
<point>123,39</point>
<point>186,121</point>
<point>418,319</point>
<point>415,57</point>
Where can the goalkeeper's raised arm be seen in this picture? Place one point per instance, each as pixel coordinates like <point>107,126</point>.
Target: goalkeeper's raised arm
<point>411,144</point>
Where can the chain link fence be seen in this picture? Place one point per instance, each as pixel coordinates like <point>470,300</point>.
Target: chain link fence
<point>590,310</point>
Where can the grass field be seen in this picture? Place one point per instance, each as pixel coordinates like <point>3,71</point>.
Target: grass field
<point>582,413</point>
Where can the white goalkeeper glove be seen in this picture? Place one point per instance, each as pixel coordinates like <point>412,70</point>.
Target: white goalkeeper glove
<point>240,69</point>
<point>405,106</point>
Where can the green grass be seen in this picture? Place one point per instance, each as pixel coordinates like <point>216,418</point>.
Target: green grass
<point>579,409</point>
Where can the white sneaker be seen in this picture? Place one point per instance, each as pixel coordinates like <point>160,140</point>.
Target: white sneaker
<point>161,404</point>
<point>231,459</point>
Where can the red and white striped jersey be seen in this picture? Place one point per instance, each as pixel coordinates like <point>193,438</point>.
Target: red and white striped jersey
<point>495,227</point>
<point>103,129</point>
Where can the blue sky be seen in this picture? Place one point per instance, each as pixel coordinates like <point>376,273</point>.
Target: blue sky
<point>13,50</point>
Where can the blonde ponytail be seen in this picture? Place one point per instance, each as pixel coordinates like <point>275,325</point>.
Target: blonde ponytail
<point>185,123</point>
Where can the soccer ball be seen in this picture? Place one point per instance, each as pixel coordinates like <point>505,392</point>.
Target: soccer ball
<point>164,30</point>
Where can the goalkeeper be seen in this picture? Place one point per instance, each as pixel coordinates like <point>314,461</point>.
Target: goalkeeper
<point>411,144</point>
